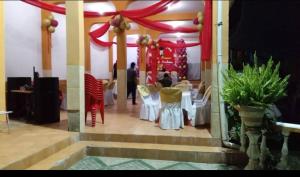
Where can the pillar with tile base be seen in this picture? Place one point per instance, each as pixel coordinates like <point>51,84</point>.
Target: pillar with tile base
<point>46,46</point>
<point>75,65</point>
<point>2,62</point>
<point>142,68</point>
<point>215,108</point>
<point>122,71</point>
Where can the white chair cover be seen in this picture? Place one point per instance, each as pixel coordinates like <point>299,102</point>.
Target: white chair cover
<point>174,77</point>
<point>149,109</point>
<point>201,109</point>
<point>108,94</point>
<point>108,97</point>
<point>171,115</point>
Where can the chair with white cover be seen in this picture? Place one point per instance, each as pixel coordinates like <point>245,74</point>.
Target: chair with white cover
<point>201,109</point>
<point>149,108</point>
<point>183,87</point>
<point>171,115</point>
<point>174,77</point>
<point>108,93</point>
<point>154,91</point>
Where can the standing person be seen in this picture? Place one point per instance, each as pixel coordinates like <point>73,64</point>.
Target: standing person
<point>115,71</point>
<point>132,82</point>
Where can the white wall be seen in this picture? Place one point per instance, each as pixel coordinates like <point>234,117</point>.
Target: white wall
<point>100,57</point>
<point>131,51</point>
<point>59,48</point>
<point>22,39</point>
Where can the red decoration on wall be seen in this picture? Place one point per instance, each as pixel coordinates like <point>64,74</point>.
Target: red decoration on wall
<point>152,57</point>
<point>181,61</point>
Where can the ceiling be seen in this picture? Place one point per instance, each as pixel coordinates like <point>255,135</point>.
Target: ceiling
<point>180,6</point>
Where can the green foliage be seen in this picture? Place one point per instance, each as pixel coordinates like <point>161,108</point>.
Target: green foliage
<point>257,86</point>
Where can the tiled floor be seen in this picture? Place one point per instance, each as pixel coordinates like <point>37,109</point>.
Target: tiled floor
<point>129,123</point>
<point>26,139</point>
<point>112,163</point>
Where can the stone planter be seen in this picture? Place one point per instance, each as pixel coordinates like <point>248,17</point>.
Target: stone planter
<point>251,116</point>
<point>252,120</point>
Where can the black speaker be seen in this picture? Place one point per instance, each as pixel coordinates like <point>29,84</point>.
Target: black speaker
<point>46,100</point>
<point>15,102</point>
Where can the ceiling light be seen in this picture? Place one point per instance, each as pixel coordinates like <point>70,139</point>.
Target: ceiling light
<point>178,35</point>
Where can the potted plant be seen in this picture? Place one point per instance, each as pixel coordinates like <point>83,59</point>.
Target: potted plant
<point>251,92</point>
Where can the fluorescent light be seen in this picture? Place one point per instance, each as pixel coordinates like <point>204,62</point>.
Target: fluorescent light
<point>178,35</point>
<point>100,7</point>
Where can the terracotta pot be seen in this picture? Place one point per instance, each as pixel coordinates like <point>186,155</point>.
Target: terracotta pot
<point>251,116</point>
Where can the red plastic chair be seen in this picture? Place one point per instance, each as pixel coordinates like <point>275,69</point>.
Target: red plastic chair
<point>93,98</point>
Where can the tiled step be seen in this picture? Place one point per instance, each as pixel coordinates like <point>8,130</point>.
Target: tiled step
<point>62,159</point>
<point>153,139</point>
<point>203,154</point>
<point>29,160</point>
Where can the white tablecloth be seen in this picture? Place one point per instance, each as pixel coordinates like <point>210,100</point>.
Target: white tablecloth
<point>186,101</point>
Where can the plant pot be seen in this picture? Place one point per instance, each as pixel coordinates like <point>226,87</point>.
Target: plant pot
<point>251,116</point>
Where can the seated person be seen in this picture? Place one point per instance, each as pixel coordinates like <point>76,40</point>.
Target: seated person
<point>166,81</point>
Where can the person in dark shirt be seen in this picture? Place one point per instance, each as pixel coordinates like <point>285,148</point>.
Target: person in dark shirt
<point>166,81</point>
<point>115,71</point>
<point>132,82</point>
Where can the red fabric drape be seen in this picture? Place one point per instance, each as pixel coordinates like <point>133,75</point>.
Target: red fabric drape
<point>135,15</point>
<point>206,34</point>
<point>158,26</point>
<point>100,31</point>
<point>148,11</point>
<point>109,44</point>
<point>170,44</point>
<point>152,60</point>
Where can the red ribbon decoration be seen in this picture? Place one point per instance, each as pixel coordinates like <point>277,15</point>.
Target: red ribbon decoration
<point>206,34</point>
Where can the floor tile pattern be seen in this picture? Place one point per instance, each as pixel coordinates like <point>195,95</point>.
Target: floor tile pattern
<point>113,163</point>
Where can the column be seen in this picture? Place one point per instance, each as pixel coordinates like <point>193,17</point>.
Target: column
<point>110,53</point>
<point>2,62</point>
<point>220,34</point>
<point>208,73</point>
<point>122,71</point>
<point>46,46</point>
<point>75,65</point>
<point>202,70</point>
<point>215,108</point>
<point>142,68</point>
<point>87,48</point>
<point>142,48</point>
